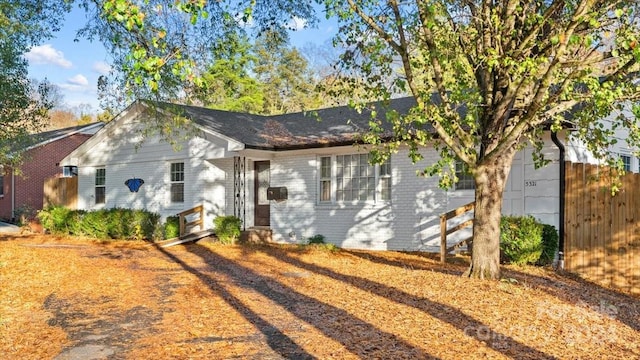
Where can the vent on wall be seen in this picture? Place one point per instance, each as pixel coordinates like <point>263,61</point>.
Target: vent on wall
<point>69,171</point>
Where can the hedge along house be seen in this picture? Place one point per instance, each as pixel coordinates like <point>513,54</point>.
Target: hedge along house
<point>296,174</point>
<point>22,191</point>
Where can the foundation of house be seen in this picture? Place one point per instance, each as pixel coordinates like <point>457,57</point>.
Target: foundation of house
<point>257,235</point>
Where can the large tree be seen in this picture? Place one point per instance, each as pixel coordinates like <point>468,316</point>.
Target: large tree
<point>488,76</point>
<point>23,104</point>
<point>228,84</point>
<point>288,82</point>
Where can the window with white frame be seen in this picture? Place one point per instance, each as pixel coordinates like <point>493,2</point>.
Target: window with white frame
<point>177,182</point>
<point>626,162</point>
<point>69,171</point>
<point>465,179</point>
<point>325,179</point>
<point>100,185</point>
<point>351,178</point>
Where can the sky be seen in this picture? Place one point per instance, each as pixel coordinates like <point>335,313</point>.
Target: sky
<point>75,66</point>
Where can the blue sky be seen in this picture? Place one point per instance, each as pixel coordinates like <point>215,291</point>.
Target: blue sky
<point>76,66</point>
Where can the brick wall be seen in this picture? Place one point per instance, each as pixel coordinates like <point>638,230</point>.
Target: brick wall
<point>39,164</point>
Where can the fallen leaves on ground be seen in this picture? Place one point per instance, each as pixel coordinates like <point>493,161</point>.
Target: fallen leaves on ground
<point>70,298</point>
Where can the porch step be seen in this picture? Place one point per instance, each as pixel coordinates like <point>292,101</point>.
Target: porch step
<point>257,235</point>
<point>191,237</point>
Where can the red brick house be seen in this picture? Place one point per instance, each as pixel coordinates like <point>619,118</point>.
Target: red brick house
<point>23,191</point>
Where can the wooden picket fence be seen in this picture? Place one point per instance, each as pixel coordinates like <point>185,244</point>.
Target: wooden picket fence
<point>61,191</point>
<point>602,231</point>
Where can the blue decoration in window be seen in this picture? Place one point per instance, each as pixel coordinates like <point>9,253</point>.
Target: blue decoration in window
<point>134,184</point>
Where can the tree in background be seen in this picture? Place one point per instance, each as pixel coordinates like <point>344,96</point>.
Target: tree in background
<point>267,77</point>
<point>162,48</point>
<point>159,47</point>
<point>488,77</point>
<point>228,83</point>
<point>23,105</point>
<point>288,83</point>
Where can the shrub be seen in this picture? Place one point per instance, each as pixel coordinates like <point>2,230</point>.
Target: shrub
<point>95,224</point>
<point>55,219</point>
<point>316,239</point>
<point>116,223</point>
<point>172,227</point>
<point>549,244</point>
<point>520,239</point>
<point>24,214</point>
<point>227,228</point>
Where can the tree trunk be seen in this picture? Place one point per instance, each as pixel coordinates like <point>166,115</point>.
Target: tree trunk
<point>490,179</point>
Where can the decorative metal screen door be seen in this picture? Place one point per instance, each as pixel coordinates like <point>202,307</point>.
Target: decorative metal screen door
<point>239,189</point>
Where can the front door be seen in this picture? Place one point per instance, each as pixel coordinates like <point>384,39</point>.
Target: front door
<point>262,179</point>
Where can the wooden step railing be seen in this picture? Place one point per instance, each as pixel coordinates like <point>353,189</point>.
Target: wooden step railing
<point>185,224</point>
<point>444,232</point>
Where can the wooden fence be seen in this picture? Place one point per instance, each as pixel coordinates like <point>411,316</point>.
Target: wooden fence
<point>602,231</point>
<point>61,191</point>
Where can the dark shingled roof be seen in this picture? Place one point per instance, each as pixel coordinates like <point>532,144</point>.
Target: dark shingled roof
<point>319,128</point>
<point>37,139</point>
<point>58,133</point>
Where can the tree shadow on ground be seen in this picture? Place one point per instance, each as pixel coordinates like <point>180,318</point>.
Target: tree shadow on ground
<point>625,308</point>
<point>422,261</point>
<point>573,289</point>
<point>354,334</point>
<point>445,313</point>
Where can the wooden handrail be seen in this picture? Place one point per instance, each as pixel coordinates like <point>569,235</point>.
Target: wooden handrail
<point>184,224</point>
<point>444,232</point>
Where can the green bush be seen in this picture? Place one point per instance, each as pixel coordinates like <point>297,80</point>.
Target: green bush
<point>55,219</point>
<point>113,223</point>
<point>95,224</point>
<point>316,239</point>
<point>172,227</point>
<point>520,239</point>
<point>549,244</point>
<point>227,228</point>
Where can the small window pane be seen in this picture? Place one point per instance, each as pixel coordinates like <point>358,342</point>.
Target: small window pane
<point>465,180</point>
<point>385,189</point>
<point>100,177</point>
<point>177,192</point>
<point>626,162</point>
<point>100,195</point>
<point>177,172</point>
<point>325,190</point>
<point>100,189</point>
<point>177,182</point>
<point>325,167</point>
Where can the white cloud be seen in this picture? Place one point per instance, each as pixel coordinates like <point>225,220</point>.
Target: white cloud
<point>77,83</point>
<point>79,80</point>
<point>297,23</point>
<point>47,54</point>
<point>101,67</point>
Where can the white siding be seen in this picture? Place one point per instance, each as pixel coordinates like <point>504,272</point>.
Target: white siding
<point>124,157</point>
<point>411,220</point>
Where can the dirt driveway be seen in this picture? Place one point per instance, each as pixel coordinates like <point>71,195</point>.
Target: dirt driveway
<point>66,298</point>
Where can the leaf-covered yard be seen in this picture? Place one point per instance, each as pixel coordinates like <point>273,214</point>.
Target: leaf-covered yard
<point>69,298</point>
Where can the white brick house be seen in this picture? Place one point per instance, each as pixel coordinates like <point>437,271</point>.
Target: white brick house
<point>331,189</point>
